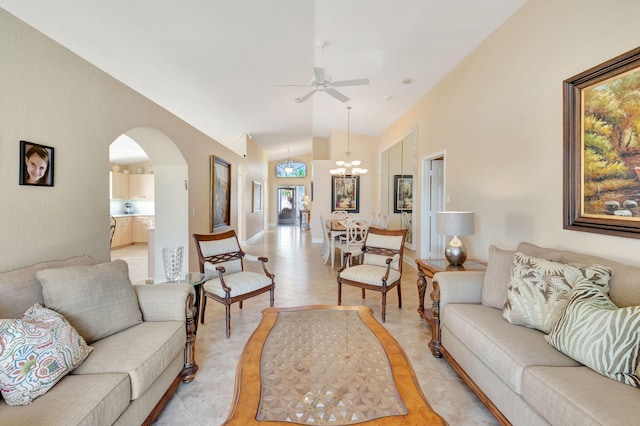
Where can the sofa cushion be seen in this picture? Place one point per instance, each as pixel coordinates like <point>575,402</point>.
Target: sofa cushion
<point>143,352</point>
<point>578,396</point>
<point>370,274</point>
<point>623,286</point>
<point>96,399</point>
<point>97,300</point>
<point>36,351</point>
<point>594,331</point>
<point>539,289</point>
<point>20,289</point>
<point>506,349</point>
<point>497,277</point>
<point>240,283</point>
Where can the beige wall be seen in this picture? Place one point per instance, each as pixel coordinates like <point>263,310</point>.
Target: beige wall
<point>498,115</point>
<point>52,97</point>
<point>256,171</point>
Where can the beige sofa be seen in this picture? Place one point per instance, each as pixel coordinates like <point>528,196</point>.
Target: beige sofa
<point>517,374</point>
<point>132,370</point>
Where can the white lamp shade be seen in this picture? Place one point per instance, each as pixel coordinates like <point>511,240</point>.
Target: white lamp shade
<point>455,223</point>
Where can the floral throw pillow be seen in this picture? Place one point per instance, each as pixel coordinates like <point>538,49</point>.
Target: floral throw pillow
<point>36,351</point>
<point>539,289</point>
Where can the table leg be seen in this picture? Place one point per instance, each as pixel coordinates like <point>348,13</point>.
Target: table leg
<point>333,250</point>
<point>196,317</point>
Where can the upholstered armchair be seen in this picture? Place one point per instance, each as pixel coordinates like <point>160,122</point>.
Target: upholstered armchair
<point>222,261</point>
<point>381,268</point>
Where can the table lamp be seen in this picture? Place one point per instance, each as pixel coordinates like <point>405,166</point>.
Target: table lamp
<point>455,224</point>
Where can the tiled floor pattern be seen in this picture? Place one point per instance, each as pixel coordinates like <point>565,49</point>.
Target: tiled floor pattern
<point>302,279</point>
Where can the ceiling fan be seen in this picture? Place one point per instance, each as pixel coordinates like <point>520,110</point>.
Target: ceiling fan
<point>321,82</point>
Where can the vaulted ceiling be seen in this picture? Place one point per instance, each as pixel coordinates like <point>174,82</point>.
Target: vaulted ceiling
<point>215,63</point>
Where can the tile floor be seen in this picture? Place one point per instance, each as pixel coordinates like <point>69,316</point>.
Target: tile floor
<point>302,279</point>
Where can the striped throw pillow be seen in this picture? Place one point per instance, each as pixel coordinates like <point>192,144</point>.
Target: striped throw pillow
<point>594,331</point>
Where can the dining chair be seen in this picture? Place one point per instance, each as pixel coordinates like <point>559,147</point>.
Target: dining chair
<point>222,261</point>
<point>381,267</point>
<point>353,241</point>
<point>326,243</point>
<point>112,229</point>
<point>339,215</point>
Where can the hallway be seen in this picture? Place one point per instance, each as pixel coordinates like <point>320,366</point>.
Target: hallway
<point>302,279</point>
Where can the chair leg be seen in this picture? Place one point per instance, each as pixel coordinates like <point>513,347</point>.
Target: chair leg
<point>384,306</point>
<point>204,307</point>
<point>362,293</point>
<point>399,296</point>
<point>228,319</point>
<point>339,293</point>
<point>272,291</point>
<point>241,304</point>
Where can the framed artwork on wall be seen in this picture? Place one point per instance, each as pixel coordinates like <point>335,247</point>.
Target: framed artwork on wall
<point>256,204</point>
<point>36,164</point>
<point>220,197</point>
<point>345,193</point>
<point>402,193</point>
<point>602,148</point>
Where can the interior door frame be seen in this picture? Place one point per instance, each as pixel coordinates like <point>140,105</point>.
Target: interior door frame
<point>429,207</point>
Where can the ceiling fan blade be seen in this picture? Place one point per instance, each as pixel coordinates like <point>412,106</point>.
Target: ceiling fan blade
<point>305,97</point>
<point>356,82</point>
<point>339,96</point>
<point>318,73</point>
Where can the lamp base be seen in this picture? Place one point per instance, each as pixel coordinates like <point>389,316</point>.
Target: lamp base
<point>455,252</point>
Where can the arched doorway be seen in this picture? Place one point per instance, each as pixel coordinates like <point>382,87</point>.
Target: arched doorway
<point>171,195</point>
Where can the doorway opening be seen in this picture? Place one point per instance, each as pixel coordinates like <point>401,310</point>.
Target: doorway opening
<point>433,194</point>
<point>170,205</point>
<point>289,203</point>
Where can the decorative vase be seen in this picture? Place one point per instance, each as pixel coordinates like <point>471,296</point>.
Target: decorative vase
<point>172,260</point>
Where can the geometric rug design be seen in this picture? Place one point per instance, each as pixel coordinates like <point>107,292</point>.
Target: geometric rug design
<point>323,367</point>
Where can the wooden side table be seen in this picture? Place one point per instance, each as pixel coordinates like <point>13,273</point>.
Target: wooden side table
<point>427,268</point>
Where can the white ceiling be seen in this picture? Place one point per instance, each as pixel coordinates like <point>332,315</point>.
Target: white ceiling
<point>214,63</point>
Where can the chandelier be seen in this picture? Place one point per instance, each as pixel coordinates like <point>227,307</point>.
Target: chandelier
<point>349,166</point>
<point>288,168</point>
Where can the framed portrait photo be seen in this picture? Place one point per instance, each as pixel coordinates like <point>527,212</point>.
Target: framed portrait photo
<point>36,164</point>
<point>602,148</point>
<point>345,193</point>
<point>220,209</point>
<point>402,193</point>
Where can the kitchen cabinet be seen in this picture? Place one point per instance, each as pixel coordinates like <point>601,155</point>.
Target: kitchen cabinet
<point>140,228</point>
<point>123,236</point>
<point>118,186</point>
<point>141,187</point>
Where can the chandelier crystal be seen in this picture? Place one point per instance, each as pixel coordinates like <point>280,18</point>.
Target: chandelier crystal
<point>348,166</point>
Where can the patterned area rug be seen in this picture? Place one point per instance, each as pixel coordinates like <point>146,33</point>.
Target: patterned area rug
<point>323,367</point>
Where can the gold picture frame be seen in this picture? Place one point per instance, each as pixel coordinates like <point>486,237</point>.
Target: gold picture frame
<point>602,148</point>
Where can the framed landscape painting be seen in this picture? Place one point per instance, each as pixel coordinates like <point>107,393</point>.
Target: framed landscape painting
<point>602,148</point>
<point>345,193</point>
<point>36,164</point>
<point>220,209</point>
<point>402,193</point>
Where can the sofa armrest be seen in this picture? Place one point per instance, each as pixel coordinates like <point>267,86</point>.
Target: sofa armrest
<point>452,287</point>
<point>459,287</point>
<point>165,302</point>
